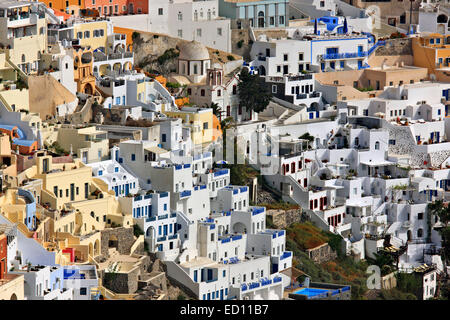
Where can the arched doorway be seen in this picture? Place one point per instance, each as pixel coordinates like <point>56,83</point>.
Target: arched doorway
<point>262,71</point>
<point>97,247</point>
<point>13,297</point>
<point>113,242</point>
<point>409,235</point>
<point>117,67</point>
<point>239,227</point>
<point>88,89</point>
<point>127,66</point>
<point>261,19</point>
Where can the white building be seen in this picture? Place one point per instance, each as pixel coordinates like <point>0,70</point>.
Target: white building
<point>185,19</point>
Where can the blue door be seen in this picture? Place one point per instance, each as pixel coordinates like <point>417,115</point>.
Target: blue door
<point>317,114</point>
<point>437,136</point>
<point>209,274</point>
<point>165,230</point>
<point>127,189</point>
<point>116,190</point>
<point>359,64</point>
<point>221,294</point>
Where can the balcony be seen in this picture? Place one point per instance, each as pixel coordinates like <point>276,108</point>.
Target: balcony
<point>302,96</point>
<point>347,55</point>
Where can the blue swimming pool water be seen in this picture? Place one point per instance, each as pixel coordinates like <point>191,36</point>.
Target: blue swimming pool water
<point>310,292</point>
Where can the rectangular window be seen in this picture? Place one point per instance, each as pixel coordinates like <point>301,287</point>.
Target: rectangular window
<point>219,31</point>
<point>160,11</point>
<point>180,33</point>
<point>199,32</point>
<point>86,190</point>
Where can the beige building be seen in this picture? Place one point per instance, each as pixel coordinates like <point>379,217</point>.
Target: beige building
<point>88,143</point>
<point>23,32</point>
<point>83,203</point>
<point>367,83</point>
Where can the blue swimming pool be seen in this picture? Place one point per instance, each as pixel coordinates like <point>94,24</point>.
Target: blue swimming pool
<point>311,292</point>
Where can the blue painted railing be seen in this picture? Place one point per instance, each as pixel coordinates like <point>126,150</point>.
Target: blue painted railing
<point>185,193</point>
<point>256,211</point>
<point>345,55</point>
<point>285,255</point>
<point>221,172</point>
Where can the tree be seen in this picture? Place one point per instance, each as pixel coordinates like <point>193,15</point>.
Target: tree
<point>216,109</point>
<point>253,92</point>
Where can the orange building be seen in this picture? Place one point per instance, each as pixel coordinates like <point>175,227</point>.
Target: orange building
<point>433,52</point>
<point>65,5</point>
<point>118,7</point>
<point>82,64</point>
<point>18,139</point>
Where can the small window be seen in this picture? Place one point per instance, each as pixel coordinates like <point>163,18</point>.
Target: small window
<point>160,11</point>
<point>274,89</point>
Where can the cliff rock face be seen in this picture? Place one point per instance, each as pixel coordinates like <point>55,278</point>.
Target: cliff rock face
<point>395,47</point>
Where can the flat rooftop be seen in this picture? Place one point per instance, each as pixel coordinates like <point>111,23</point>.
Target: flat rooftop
<point>11,4</point>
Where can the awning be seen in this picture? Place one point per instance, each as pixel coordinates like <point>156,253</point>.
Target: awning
<point>378,163</point>
<point>156,150</point>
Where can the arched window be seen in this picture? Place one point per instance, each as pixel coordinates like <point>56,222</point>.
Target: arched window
<point>180,16</point>
<point>23,58</point>
<point>419,233</point>
<point>377,145</point>
<point>195,15</point>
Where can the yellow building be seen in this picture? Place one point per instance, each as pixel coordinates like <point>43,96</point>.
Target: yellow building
<point>200,120</point>
<point>89,144</point>
<point>93,34</point>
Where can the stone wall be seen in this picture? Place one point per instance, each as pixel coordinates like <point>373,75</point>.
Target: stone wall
<point>283,218</point>
<point>121,282</point>
<point>322,253</point>
<point>124,236</point>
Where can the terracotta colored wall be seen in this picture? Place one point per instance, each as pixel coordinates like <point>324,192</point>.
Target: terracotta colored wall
<point>61,4</point>
<point>102,3</point>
